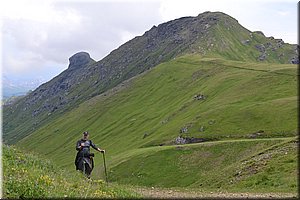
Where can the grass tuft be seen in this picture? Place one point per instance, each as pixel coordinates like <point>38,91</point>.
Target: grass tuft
<point>28,176</point>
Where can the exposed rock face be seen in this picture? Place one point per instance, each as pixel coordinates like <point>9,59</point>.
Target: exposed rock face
<point>80,59</point>
<point>294,60</point>
<point>275,46</point>
<point>189,140</point>
<point>54,95</point>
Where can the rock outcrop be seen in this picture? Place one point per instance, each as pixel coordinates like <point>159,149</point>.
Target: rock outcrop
<point>80,59</point>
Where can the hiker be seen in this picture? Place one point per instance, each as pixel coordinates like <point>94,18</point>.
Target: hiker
<point>84,159</point>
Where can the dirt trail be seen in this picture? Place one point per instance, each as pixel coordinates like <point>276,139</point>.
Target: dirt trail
<point>171,194</point>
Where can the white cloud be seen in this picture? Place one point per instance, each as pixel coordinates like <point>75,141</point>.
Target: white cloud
<point>37,10</point>
<point>283,13</point>
<point>39,36</point>
<point>43,32</point>
<point>21,65</point>
<point>29,28</point>
<point>171,9</point>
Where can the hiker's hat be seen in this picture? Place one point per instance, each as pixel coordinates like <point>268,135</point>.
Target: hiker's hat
<point>85,133</point>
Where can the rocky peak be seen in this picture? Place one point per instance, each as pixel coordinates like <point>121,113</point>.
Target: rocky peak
<point>208,34</point>
<point>79,59</point>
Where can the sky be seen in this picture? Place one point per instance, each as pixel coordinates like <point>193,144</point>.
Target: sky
<point>39,36</point>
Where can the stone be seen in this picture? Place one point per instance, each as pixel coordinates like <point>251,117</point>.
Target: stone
<point>211,122</point>
<point>245,42</point>
<point>262,57</point>
<point>294,60</point>
<point>189,140</point>
<point>260,47</point>
<point>80,59</point>
<point>184,130</point>
<point>259,32</point>
<point>145,135</point>
<point>201,129</point>
<point>268,45</point>
<point>180,140</point>
<point>199,97</point>
<point>256,134</point>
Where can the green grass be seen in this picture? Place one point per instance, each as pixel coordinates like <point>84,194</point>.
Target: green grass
<point>242,98</point>
<point>232,166</point>
<point>27,175</point>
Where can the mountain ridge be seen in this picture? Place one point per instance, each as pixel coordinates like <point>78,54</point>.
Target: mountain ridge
<point>210,34</point>
<point>204,80</point>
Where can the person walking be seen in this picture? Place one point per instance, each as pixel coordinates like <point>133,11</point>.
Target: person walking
<point>84,159</point>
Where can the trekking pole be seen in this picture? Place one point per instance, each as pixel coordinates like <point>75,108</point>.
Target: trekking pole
<point>105,168</point>
<point>83,166</point>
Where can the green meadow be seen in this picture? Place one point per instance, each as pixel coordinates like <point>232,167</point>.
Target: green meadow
<point>249,109</point>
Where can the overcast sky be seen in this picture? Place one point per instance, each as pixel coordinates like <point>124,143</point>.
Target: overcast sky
<point>39,36</point>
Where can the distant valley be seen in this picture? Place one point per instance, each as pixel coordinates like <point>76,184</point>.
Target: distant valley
<point>12,88</point>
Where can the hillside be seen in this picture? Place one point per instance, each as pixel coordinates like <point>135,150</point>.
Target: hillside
<point>30,176</point>
<point>197,103</point>
<point>242,102</point>
<point>142,112</point>
<point>210,34</point>
<point>253,166</point>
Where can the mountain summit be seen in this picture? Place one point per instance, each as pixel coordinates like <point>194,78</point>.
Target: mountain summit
<point>210,34</point>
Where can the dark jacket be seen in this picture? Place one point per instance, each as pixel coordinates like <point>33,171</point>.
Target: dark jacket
<point>84,151</point>
<point>87,145</point>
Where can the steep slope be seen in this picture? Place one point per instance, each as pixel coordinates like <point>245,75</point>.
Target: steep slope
<point>242,100</point>
<point>30,176</point>
<point>208,34</point>
<point>247,110</point>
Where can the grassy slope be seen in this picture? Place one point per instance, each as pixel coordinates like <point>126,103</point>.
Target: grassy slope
<point>234,166</point>
<point>242,98</point>
<point>224,38</point>
<point>27,175</point>
<point>229,40</point>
